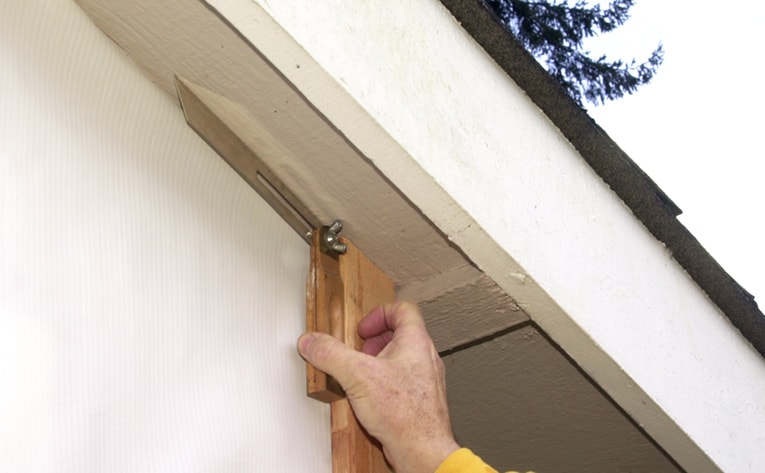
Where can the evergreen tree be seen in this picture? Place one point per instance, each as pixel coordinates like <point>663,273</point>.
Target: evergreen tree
<point>553,31</point>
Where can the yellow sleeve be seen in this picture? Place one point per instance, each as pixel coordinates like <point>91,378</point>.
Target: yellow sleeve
<point>464,461</point>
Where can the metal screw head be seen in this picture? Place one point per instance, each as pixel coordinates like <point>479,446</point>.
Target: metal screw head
<point>335,227</point>
<point>339,248</point>
<point>330,240</point>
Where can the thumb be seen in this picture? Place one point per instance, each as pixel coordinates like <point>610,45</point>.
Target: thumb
<point>330,355</point>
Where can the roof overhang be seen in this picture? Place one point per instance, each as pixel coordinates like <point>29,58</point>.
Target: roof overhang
<point>466,192</point>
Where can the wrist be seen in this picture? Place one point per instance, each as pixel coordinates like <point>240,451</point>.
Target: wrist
<point>426,456</point>
<point>447,447</point>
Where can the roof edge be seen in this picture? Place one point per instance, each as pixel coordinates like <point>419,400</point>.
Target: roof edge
<point>643,196</point>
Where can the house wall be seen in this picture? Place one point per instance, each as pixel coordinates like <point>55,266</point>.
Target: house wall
<point>149,300</point>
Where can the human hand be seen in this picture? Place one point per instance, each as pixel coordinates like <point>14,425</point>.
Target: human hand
<point>395,385</point>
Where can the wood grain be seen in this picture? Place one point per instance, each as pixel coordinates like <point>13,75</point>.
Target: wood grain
<point>340,291</point>
<point>365,287</point>
<point>324,313</point>
<point>194,102</point>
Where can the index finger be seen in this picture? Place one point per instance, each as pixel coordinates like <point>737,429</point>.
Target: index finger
<point>390,318</point>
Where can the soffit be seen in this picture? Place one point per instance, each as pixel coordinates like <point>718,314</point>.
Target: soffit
<point>496,382</point>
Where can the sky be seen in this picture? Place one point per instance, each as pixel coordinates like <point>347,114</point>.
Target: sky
<point>696,128</point>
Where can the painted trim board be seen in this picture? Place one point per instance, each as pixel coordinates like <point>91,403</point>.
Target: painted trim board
<point>649,203</point>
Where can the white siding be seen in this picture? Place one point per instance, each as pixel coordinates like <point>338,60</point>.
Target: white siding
<point>149,300</point>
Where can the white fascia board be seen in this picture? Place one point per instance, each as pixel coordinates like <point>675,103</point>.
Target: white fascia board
<point>448,127</point>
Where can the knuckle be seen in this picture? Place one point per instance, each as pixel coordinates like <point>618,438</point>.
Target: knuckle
<point>409,307</point>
